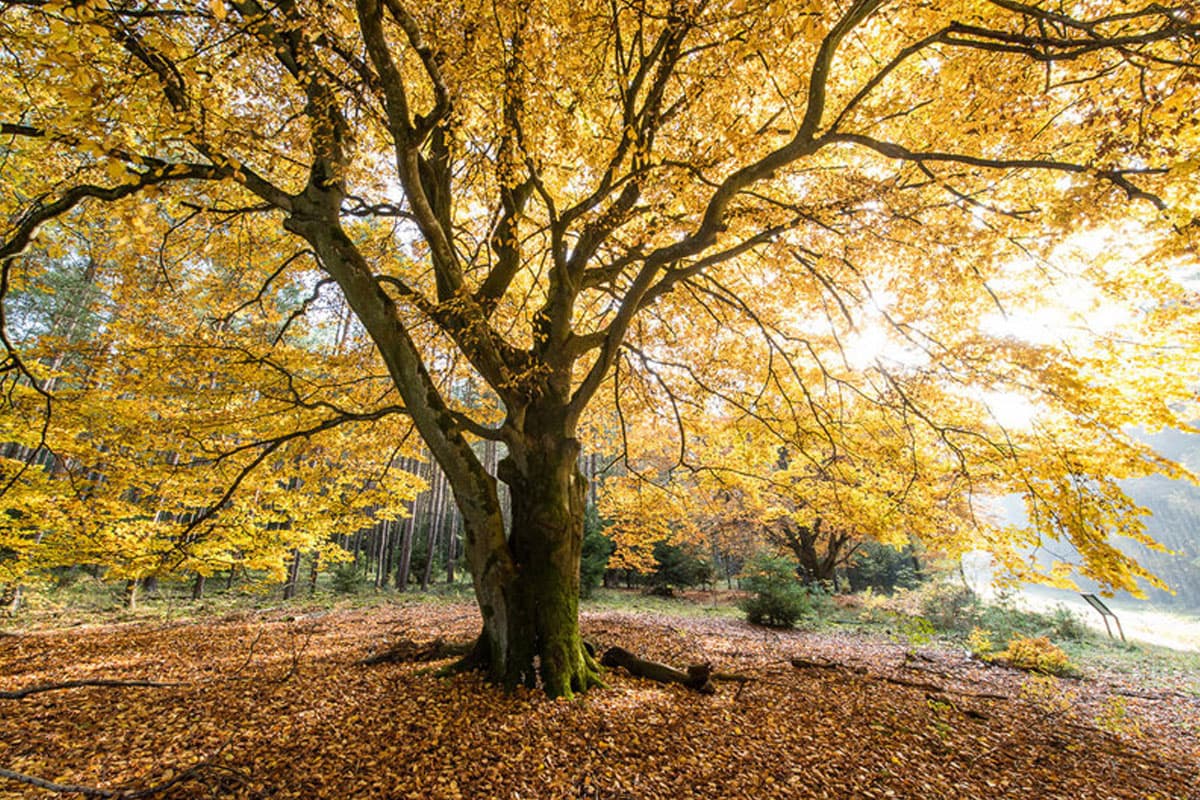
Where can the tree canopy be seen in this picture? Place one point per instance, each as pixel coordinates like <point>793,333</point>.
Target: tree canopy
<point>744,228</point>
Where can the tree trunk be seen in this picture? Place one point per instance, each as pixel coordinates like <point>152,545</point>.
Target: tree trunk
<point>451,544</point>
<point>382,540</point>
<point>531,613</point>
<point>436,512</point>
<point>293,576</point>
<point>198,587</point>
<point>406,541</point>
<point>527,585</point>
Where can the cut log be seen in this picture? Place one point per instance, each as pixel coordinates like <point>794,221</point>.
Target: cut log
<point>697,676</point>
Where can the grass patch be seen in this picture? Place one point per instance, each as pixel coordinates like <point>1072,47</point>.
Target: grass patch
<point>717,603</point>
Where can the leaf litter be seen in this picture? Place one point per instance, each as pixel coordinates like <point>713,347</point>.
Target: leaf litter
<point>277,706</point>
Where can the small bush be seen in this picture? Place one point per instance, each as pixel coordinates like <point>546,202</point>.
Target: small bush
<point>678,566</point>
<point>980,643</point>
<point>597,549</point>
<point>948,606</point>
<point>778,599</point>
<point>1066,624</point>
<point>346,579</point>
<point>1036,654</point>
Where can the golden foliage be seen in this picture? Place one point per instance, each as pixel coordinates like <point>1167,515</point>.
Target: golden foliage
<point>862,234</point>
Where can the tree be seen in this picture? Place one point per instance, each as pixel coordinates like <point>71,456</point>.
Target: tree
<point>550,191</point>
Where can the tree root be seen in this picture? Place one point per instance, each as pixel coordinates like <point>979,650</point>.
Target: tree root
<point>803,663</point>
<point>697,676</point>
<point>406,651</point>
<point>218,778</point>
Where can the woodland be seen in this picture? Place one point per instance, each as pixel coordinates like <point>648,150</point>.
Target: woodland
<point>534,294</point>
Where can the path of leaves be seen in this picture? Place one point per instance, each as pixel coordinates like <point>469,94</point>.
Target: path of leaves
<point>281,703</point>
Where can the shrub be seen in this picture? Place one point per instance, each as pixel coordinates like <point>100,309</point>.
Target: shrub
<point>980,643</point>
<point>346,579</point>
<point>883,568</point>
<point>949,606</point>
<point>597,549</point>
<point>1066,624</point>
<point>1036,654</point>
<point>1006,620</point>
<point>678,566</point>
<point>778,599</point>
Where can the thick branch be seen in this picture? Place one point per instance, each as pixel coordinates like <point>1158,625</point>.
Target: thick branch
<point>1115,177</point>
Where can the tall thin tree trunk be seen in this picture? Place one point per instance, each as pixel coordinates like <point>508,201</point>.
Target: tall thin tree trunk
<point>289,588</point>
<point>406,543</point>
<point>451,542</point>
<point>435,523</point>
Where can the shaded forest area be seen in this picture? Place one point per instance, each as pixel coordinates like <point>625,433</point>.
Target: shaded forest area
<point>277,705</point>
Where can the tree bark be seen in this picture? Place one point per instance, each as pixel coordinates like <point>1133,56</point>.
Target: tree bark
<point>531,615</point>
<point>436,512</point>
<point>293,576</point>
<point>406,541</point>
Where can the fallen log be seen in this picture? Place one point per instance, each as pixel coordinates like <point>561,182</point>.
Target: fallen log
<point>697,676</point>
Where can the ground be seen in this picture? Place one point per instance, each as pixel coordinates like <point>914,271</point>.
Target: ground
<point>272,704</point>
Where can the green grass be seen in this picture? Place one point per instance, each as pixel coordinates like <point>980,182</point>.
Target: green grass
<point>691,604</point>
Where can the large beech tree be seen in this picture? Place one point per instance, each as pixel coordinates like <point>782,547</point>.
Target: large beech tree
<point>548,189</point>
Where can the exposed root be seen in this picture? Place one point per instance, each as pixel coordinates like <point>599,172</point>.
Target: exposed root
<point>697,676</point>
<point>407,651</point>
<point>218,778</point>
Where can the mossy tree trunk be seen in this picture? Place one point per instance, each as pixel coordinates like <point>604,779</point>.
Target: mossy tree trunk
<point>543,644</point>
<point>527,582</point>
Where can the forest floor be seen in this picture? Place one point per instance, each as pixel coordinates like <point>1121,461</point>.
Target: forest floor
<point>272,704</point>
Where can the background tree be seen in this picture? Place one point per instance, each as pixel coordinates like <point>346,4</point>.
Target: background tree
<point>562,217</point>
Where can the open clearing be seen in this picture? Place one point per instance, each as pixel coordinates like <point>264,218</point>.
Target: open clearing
<point>273,705</point>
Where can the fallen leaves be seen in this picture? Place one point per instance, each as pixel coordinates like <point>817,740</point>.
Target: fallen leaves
<point>283,704</point>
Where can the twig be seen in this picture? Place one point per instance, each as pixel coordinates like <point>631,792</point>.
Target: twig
<point>803,663</point>
<point>249,656</point>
